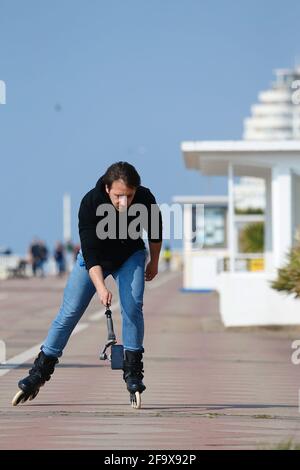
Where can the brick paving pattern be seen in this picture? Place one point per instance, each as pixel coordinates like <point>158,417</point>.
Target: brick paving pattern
<point>207,387</point>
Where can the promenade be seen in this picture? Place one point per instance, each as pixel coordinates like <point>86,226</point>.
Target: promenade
<point>207,387</point>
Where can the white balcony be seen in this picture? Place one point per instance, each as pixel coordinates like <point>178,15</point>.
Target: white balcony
<point>269,122</point>
<point>275,109</point>
<point>267,134</point>
<point>275,96</point>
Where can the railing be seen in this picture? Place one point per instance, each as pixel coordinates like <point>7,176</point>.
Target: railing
<point>6,262</point>
<point>252,262</point>
<point>14,266</point>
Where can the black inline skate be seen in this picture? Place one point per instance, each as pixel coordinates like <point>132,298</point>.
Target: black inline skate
<point>133,376</point>
<point>40,373</point>
<point>128,361</point>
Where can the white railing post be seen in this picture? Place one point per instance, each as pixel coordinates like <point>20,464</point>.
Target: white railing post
<point>231,234</point>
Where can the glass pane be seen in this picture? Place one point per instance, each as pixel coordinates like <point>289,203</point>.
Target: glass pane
<point>210,229</point>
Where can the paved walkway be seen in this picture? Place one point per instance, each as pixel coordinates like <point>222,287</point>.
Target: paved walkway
<point>207,388</point>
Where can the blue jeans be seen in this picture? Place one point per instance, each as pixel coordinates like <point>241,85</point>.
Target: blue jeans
<point>79,292</point>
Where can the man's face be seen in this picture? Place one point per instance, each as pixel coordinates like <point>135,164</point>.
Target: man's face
<point>120,195</point>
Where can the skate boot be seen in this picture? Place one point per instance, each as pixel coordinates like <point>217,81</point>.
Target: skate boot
<point>41,372</point>
<point>133,376</point>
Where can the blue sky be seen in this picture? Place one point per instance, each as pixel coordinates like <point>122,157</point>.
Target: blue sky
<point>90,82</point>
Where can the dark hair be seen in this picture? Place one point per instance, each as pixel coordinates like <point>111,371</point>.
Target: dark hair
<point>121,171</point>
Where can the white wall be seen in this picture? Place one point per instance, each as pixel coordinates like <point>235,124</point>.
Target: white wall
<point>296,204</point>
<point>201,269</point>
<point>246,299</point>
<point>281,213</point>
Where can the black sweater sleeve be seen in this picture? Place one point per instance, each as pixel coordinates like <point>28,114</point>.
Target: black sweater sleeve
<point>87,231</point>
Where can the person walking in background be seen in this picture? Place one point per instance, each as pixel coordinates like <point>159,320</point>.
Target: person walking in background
<point>69,253</point>
<point>38,254</point>
<point>59,256</point>
<point>34,255</point>
<point>167,256</point>
<point>44,252</point>
<point>107,252</point>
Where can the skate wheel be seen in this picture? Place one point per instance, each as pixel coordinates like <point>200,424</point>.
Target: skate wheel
<point>19,397</point>
<point>136,400</point>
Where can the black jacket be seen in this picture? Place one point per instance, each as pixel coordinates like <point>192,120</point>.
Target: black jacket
<point>110,253</point>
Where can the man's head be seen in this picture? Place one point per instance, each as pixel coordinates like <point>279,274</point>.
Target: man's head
<point>121,181</point>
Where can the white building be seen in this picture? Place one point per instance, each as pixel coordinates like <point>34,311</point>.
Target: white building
<point>206,241</point>
<point>246,298</point>
<point>276,116</point>
<point>267,163</point>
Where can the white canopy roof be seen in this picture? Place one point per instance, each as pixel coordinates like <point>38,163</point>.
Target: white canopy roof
<point>250,158</point>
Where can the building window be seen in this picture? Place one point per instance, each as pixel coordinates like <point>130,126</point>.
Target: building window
<point>210,230</point>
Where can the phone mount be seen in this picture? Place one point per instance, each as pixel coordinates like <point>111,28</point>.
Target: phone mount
<point>116,357</point>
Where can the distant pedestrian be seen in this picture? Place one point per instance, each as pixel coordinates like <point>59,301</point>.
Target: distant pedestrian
<point>44,252</point>
<point>34,255</point>
<point>69,250</point>
<point>167,256</point>
<point>38,253</point>
<point>59,256</point>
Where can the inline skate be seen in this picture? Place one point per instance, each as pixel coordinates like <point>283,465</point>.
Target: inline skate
<point>133,376</point>
<point>40,373</point>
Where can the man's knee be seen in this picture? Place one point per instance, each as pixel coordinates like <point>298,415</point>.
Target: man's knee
<point>133,309</point>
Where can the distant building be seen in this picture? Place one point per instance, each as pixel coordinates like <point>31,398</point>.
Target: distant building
<point>206,235</point>
<point>276,116</point>
<point>263,173</point>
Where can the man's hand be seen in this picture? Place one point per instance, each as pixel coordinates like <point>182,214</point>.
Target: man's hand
<point>105,296</point>
<point>96,274</point>
<point>151,270</point>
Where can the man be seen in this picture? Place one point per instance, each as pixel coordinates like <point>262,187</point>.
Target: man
<point>111,244</point>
